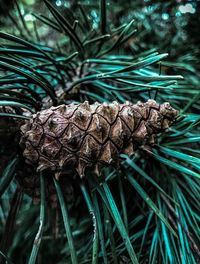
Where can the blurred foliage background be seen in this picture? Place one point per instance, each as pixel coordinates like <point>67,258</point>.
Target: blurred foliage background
<point>54,52</point>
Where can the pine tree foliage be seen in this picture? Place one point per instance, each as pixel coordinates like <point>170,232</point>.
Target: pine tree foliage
<point>146,210</point>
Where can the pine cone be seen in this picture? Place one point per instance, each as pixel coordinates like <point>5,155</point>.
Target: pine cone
<point>74,137</point>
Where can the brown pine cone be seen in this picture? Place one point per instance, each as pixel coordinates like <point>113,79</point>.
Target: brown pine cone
<point>69,137</point>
